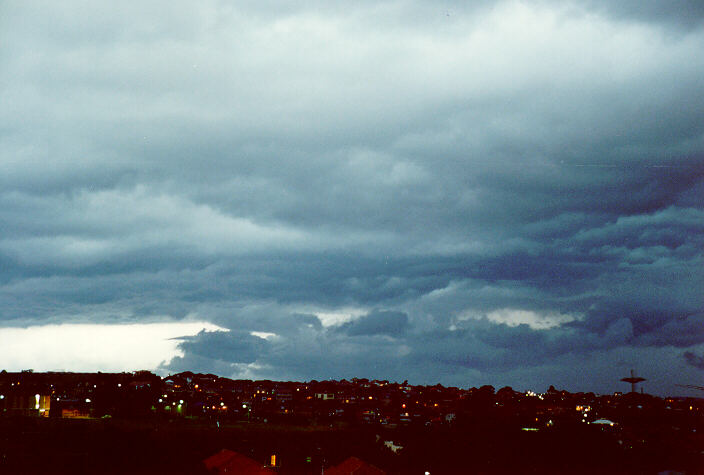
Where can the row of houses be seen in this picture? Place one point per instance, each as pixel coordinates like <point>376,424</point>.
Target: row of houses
<point>363,401</point>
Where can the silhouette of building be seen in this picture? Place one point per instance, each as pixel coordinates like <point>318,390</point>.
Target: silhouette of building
<point>633,380</point>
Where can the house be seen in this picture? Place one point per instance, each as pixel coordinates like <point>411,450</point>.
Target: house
<point>228,461</point>
<point>72,408</point>
<point>27,404</point>
<point>354,466</point>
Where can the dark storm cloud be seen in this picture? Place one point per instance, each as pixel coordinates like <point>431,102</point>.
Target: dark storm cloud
<point>684,331</point>
<point>377,323</point>
<point>694,360</point>
<point>682,13</point>
<point>232,346</point>
<point>517,185</point>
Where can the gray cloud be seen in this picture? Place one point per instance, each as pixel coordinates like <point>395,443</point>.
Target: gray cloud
<point>377,323</point>
<point>232,346</point>
<point>265,166</point>
<point>679,13</point>
<point>694,359</point>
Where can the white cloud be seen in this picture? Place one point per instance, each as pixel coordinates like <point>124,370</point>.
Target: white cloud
<point>87,347</point>
<point>514,317</point>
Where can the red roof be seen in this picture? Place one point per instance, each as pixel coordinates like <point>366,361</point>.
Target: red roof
<point>354,466</point>
<point>227,461</point>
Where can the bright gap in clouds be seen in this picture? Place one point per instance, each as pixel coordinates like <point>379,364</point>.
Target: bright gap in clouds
<point>535,320</point>
<point>89,348</point>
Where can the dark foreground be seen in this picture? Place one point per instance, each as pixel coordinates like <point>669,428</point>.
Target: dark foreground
<point>44,445</point>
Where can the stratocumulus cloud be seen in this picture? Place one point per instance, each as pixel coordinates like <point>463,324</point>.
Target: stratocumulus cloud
<point>489,192</point>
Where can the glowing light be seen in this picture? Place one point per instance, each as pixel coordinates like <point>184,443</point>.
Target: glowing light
<point>36,401</point>
<point>87,400</point>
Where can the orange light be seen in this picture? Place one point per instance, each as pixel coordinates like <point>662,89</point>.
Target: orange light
<point>273,460</point>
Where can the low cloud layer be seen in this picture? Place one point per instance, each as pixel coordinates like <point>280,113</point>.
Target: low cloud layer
<point>484,192</point>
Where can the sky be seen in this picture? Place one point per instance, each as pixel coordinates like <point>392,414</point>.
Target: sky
<point>465,193</point>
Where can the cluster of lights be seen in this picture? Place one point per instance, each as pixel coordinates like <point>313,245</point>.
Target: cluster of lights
<point>584,410</point>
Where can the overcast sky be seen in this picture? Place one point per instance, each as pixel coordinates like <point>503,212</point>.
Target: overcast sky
<point>469,193</point>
